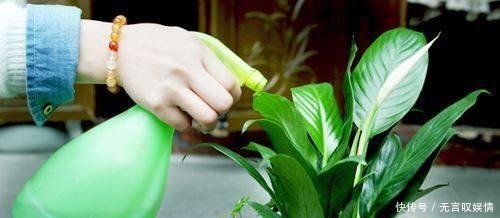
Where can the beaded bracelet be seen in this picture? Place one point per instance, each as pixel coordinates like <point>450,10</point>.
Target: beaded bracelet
<point>111,64</point>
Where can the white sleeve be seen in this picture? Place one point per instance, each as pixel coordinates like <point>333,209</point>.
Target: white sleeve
<point>12,49</point>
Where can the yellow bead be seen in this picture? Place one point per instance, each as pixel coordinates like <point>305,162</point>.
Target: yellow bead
<point>110,77</point>
<point>116,28</point>
<point>120,19</point>
<point>111,82</point>
<point>113,89</point>
<point>115,36</point>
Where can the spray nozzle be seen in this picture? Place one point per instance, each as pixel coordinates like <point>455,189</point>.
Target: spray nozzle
<point>244,73</point>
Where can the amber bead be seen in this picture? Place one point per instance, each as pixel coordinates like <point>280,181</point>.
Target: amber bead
<point>120,19</point>
<point>116,28</point>
<point>115,37</point>
<point>111,81</point>
<point>113,46</point>
<point>113,89</point>
<point>111,64</point>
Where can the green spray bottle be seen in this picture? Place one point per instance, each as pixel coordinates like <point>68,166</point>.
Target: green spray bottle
<point>119,168</point>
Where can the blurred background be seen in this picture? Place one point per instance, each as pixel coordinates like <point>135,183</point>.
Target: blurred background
<point>466,57</point>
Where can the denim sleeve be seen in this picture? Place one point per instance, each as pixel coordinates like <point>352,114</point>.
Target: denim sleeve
<point>52,42</point>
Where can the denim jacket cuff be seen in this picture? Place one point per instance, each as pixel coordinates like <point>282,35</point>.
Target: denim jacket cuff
<point>52,43</point>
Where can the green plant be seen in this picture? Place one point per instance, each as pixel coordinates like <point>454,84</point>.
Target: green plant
<point>236,212</point>
<point>284,50</point>
<point>318,169</point>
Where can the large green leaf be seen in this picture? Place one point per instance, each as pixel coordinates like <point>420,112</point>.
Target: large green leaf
<point>281,143</point>
<point>353,159</point>
<point>316,103</point>
<point>412,191</point>
<point>279,199</point>
<point>351,209</point>
<point>389,78</point>
<point>243,163</point>
<point>334,184</point>
<point>422,145</point>
<point>264,151</point>
<point>283,113</point>
<point>341,188</point>
<point>299,196</point>
<point>263,211</point>
<point>379,166</point>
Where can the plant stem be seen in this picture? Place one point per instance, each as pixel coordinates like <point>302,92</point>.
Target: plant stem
<point>354,146</point>
<point>363,143</point>
<point>362,148</point>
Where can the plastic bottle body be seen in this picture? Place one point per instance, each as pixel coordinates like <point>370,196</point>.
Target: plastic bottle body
<point>117,169</point>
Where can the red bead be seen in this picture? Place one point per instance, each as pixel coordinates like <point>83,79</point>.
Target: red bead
<point>113,46</point>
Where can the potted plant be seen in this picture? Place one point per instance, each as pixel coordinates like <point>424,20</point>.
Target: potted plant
<point>317,163</point>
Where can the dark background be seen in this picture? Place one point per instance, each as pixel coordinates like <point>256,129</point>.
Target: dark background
<point>465,58</point>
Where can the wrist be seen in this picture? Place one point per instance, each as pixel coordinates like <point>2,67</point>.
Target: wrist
<point>94,38</point>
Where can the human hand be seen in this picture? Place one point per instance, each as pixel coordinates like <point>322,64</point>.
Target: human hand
<point>170,73</point>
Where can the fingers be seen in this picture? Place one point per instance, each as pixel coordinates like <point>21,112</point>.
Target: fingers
<point>199,87</point>
<point>175,117</point>
<point>202,98</point>
<point>220,73</point>
<point>211,91</point>
<point>197,108</point>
